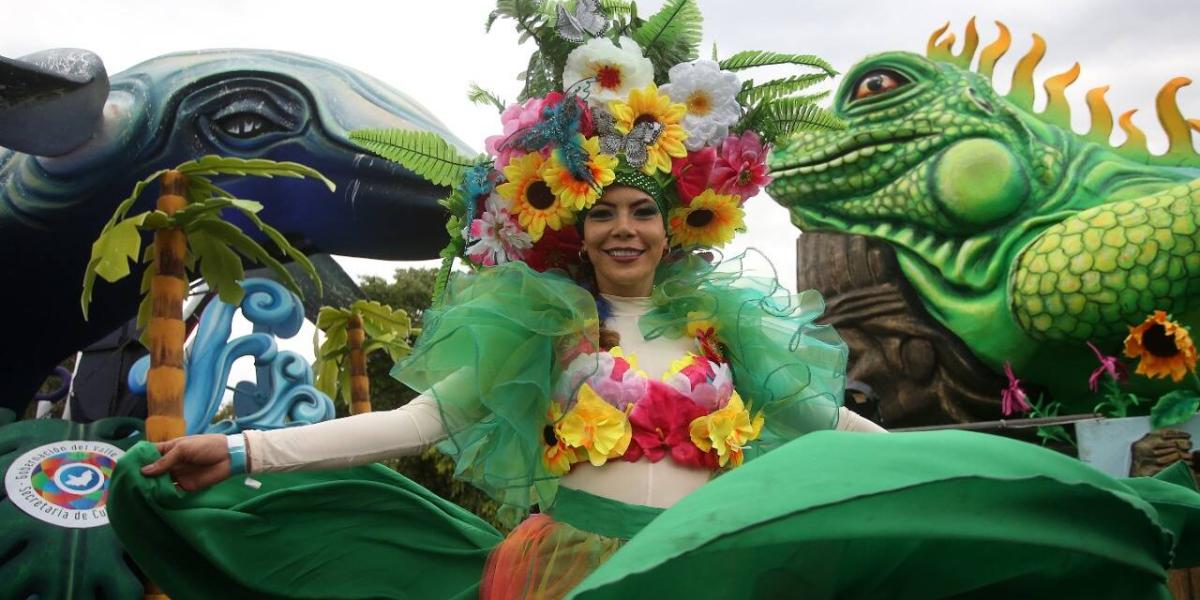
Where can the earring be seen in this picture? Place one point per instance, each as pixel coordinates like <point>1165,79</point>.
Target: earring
<point>583,255</point>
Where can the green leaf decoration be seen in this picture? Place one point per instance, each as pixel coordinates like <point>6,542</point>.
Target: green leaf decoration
<point>229,237</point>
<point>671,36</point>
<point>326,374</point>
<point>212,165</point>
<point>777,88</point>
<point>786,117</point>
<point>757,58</point>
<point>127,203</point>
<point>220,267</point>
<point>616,8</point>
<point>1174,408</point>
<point>382,321</point>
<point>478,95</point>
<point>250,209</point>
<point>422,152</point>
<point>111,253</point>
<point>200,189</point>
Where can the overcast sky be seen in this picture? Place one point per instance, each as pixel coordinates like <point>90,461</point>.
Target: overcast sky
<point>431,50</point>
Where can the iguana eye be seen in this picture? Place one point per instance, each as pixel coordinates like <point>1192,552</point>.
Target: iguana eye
<point>879,81</point>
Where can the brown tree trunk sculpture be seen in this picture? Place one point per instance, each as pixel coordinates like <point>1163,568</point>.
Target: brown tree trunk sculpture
<point>165,381</point>
<point>360,386</point>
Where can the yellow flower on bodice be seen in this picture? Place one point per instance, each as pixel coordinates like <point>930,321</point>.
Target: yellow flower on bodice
<point>728,430</point>
<point>597,426</point>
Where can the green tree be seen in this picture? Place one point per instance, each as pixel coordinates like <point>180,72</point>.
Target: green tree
<point>352,334</point>
<point>412,291</point>
<point>190,238</point>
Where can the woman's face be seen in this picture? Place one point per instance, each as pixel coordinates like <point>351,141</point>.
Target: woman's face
<point>625,239</point>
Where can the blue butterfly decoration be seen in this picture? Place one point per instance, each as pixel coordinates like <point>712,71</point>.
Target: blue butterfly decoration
<point>559,126</point>
<point>477,184</point>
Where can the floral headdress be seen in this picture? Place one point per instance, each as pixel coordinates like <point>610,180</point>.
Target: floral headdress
<point>609,98</point>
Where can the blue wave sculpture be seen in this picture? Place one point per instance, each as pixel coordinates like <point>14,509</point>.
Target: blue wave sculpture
<point>283,394</point>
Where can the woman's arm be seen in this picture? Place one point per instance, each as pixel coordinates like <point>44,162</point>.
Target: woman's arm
<point>349,441</point>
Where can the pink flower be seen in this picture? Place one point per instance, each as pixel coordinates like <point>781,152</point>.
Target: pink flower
<point>498,238</point>
<point>514,118</point>
<point>741,166</point>
<point>1108,364</point>
<point>662,425</point>
<point>692,172</point>
<point>1012,398</point>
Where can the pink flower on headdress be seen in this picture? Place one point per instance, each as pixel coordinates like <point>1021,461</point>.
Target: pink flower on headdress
<point>514,118</point>
<point>741,166</point>
<point>1012,398</point>
<point>692,173</point>
<point>497,237</point>
<point>1108,364</point>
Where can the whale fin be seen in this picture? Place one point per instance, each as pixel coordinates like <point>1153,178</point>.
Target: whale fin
<point>51,101</point>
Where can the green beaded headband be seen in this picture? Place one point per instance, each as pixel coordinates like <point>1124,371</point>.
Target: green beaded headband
<point>635,178</point>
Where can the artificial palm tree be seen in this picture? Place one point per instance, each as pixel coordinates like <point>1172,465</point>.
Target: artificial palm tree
<point>350,335</point>
<point>190,238</point>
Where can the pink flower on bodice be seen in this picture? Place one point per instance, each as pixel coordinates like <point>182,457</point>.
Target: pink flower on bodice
<point>661,425</point>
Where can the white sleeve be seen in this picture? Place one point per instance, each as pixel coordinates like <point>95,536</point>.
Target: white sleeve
<point>849,420</point>
<point>349,441</point>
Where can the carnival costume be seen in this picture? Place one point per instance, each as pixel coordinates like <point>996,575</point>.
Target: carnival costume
<point>697,459</point>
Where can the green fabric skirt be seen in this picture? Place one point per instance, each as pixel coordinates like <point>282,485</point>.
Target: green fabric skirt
<point>829,515</point>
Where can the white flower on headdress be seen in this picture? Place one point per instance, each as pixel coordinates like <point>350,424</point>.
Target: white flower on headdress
<point>614,70</point>
<point>711,98</point>
<point>498,238</point>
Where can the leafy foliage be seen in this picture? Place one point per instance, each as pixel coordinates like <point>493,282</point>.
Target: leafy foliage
<point>1053,433</point>
<point>759,58</point>
<point>386,329</point>
<point>1174,408</point>
<point>671,36</point>
<point>535,20</point>
<point>780,118</point>
<point>215,244</point>
<point>777,88</point>
<point>422,152</point>
<point>479,95</point>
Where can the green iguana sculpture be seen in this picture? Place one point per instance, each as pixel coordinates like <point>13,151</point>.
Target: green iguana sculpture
<point>1022,237</point>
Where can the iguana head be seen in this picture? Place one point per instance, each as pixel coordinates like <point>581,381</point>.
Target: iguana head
<point>931,157</point>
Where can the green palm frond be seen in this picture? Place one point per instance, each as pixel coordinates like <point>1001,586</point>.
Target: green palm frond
<point>785,117</point>
<point>422,152</point>
<point>213,165</point>
<point>617,8</point>
<point>385,328</point>
<point>757,58</point>
<point>671,36</point>
<point>777,88</point>
<point>478,95</point>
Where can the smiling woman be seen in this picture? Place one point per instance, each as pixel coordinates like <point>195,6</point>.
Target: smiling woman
<point>624,237</point>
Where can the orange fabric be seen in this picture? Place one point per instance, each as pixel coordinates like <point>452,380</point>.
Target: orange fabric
<point>543,559</point>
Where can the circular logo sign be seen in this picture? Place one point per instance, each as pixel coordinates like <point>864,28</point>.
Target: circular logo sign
<point>64,483</point>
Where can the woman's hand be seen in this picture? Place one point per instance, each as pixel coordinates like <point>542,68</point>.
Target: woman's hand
<point>195,462</point>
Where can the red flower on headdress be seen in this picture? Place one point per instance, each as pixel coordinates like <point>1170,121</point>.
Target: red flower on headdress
<point>557,249</point>
<point>741,166</point>
<point>692,172</point>
<point>662,425</point>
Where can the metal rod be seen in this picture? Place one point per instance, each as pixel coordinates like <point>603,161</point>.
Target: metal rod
<point>1009,423</point>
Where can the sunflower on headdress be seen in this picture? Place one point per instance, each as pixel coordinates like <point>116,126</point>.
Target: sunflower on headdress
<point>533,203</point>
<point>709,220</point>
<point>575,194</point>
<point>1164,348</point>
<point>645,105</point>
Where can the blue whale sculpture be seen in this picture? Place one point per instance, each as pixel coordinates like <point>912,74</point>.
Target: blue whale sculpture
<point>160,113</point>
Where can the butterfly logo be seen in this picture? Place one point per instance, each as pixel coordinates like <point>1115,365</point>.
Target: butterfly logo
<point>634,145</point>
<point>588,21</point>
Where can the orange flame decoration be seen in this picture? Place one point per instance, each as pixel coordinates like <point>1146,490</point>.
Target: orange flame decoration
<point>1180,151</point>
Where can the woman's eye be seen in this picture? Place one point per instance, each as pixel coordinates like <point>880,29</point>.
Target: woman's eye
<point>599,214</point>
<point>879,81</point>
<point>646,212</point>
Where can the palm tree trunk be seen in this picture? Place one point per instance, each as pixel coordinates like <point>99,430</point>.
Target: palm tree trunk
<point>360,386</point>
<point>164,386</point>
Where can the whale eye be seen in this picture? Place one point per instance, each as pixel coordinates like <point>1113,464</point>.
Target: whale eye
<point>874,83</point>
<point>245,125</point>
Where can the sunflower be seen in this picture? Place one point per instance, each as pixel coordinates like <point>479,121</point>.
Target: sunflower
<point>710,220</point>
<point>557,456</point>
<point>1164,347</point>
<point>647,104</point>
<point>573,193</point>
<point>534,205</point>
